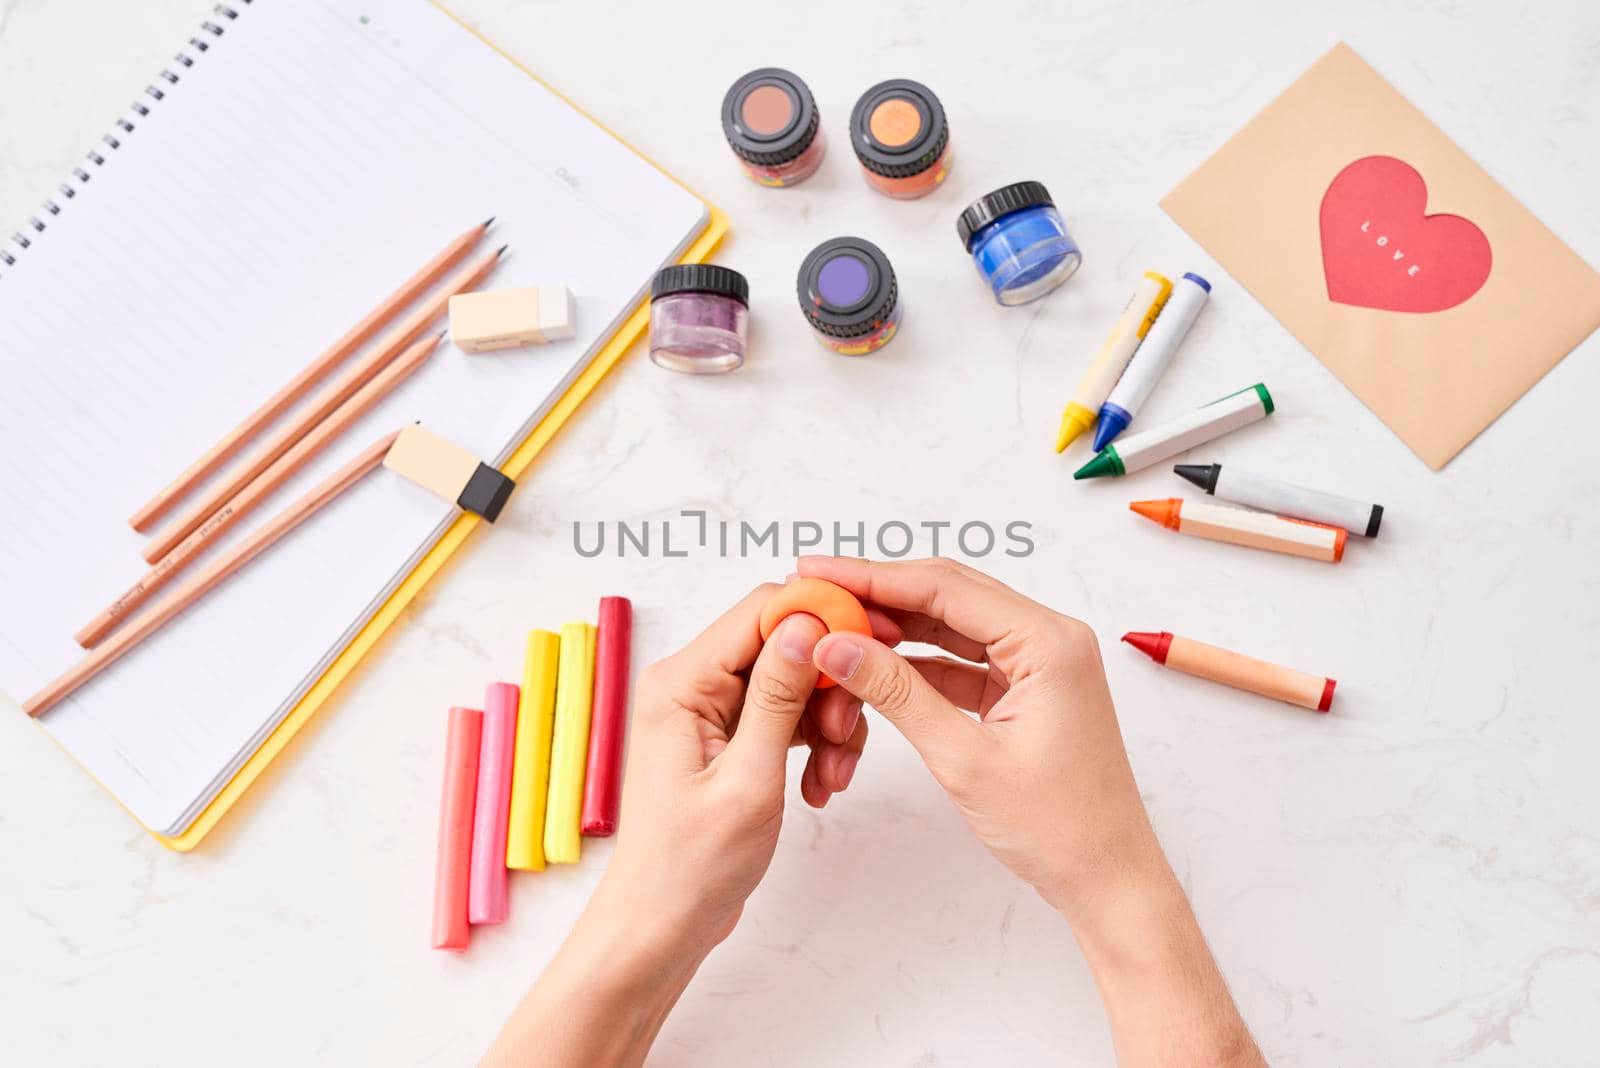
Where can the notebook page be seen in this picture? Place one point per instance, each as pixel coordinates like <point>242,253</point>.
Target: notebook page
<point>309,160</point>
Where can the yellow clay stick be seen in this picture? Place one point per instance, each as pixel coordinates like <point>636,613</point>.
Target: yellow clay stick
<point>569,749</point>
<point>530,771</point>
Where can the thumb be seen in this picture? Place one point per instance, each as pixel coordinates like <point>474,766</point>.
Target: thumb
<point>941,733</point>
<point>780,683</point>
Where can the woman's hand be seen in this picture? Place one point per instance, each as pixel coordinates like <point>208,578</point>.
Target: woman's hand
<point>704,791</point>
<point>1041,774</point>
<point>702,804</point>
<point>1042,777</point>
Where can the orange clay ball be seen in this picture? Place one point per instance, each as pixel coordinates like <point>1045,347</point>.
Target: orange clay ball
<point>834,605</point>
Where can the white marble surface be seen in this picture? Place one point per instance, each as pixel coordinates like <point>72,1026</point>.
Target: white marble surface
<point>1415,879</point>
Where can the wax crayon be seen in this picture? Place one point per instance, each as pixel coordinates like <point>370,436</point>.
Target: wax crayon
<point>1137,451</point>
<point>1130,329</point>
<point>1285,498</point>
<point>530,769</point>
<point>569,748</point>
<point>1258,530</point>
<point>487,900</point>
<point>1234,669</point>
<point>1151,359</point>
<point>602,782</point>
<point>453,862</point>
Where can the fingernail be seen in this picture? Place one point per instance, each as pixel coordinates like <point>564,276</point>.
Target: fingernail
<point>796,639</point>
<point>839,659</point>
<point>847,768</point>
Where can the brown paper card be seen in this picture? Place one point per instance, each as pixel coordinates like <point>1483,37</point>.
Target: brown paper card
<point>1421,283</point>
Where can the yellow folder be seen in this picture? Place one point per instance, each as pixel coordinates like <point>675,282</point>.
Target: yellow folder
<point>612,352</point>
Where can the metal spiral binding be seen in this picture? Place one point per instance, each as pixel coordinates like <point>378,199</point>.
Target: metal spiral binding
<point>154,93</point>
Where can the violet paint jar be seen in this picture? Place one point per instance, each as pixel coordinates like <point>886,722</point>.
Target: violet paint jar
<point>699,314</point>
<point>849,295</point>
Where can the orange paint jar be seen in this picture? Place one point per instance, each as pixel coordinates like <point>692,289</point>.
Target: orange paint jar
<point>901,138</point>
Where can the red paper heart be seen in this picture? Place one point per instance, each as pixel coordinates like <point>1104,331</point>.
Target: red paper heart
<point>1380,251</point>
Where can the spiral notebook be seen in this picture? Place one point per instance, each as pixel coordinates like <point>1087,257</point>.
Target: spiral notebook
<point>293,164</point>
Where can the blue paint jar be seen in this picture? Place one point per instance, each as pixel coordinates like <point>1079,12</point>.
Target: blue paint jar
<point>1018,242</point>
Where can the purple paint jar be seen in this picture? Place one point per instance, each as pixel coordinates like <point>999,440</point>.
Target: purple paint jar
<point>699,314</point>
<point>849,295</point>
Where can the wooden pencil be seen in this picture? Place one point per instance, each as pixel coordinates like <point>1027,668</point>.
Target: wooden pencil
<point>301,384</point>
<point>246,500</point>
<point>323,404</point>
<point>208,577</point>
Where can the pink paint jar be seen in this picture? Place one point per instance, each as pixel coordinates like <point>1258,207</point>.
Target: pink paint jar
<point>772,125</point>
<point>699,317</point>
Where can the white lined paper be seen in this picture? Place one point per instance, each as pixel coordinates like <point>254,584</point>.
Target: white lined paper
<point>303,166</point>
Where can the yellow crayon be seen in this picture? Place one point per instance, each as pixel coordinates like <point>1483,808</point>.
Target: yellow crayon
<point>569,748</point>
<point>1102,375</point>
<point>530,770</point>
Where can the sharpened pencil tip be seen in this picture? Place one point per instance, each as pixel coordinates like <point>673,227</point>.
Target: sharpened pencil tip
<point>488,222</point>
<point>501,251</point>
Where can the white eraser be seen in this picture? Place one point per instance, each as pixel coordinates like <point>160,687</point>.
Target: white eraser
<point>509,318</point>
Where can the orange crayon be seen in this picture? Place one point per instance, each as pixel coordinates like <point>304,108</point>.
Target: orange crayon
<point>1258,530</point>
<point>1234,669</point>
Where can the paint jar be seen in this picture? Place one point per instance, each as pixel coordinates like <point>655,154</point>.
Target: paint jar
<point>901,138</point>
<point>699,315</point>
<point>1018,242</point>
<point>772,125</point>
<point>849,295</point>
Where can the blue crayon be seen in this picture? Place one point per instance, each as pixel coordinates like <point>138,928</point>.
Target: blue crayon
<point>1150,360</point>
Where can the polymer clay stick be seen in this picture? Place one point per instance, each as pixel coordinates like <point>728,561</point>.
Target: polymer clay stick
<point>510,318</point>
<point>836,606</point>
<point>453,865</point>
<point>569,750</point>
<point>530,768</point>
<point>608,725</point>
<point>487,901</point>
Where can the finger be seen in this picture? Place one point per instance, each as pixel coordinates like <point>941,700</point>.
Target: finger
<point>836,764</point>
<point>885,627</point>
<point>732,643</point>
<point>973,604</point>
<point>884,679</point>
<point>835,713</point>
<point>780,684</point>
<point>963,685</point>
<point>925,630</point>
<point>811,789</point>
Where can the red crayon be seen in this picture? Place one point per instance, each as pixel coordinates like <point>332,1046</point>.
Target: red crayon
<point>608,725</point>
<point>1234,669</point>
<point>453,865</point>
